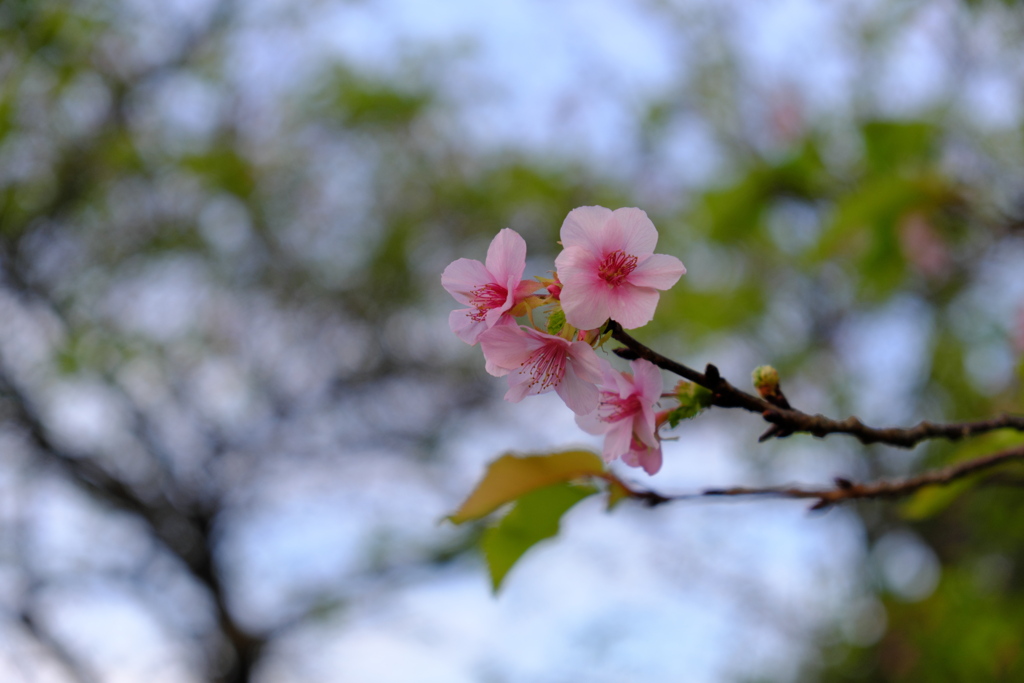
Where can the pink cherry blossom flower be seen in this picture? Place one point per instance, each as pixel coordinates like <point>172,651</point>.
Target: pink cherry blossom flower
<point>625,415</point>
<point>536,362</point>
<point>608,267</point>
<point>491,290</point>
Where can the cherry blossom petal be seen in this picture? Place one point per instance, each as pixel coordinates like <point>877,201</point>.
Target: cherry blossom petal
<point>617,440</point>
<point>631,306</point>
<point>585,297</point>
<point>464,275</point>
<point>498,314</point>
<point>633,231</point>
<point>586,363</point>
<point>647,380</point>
<point>464,327</point>
<point>494,370</point>
<point>523,289</point>
<point>580,395</point>
<point>586,311</point>
<point>622,383</point>
<point>519,387</point>
<point>506,347</point>
<point>579,263</point>
<point>506,256</point>
<point>592,423</point>
<point>659,271</point>
<point>643,427</point>
<point>586,227</point>
<point>651,460</point>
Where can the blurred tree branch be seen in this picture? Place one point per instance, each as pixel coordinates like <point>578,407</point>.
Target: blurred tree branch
<point>186,533</point>
<point>70,663</point>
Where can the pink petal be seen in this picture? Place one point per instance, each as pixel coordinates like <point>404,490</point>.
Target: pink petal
<point>496,315</point>
<point>579,263</point>
<point>647,380</point>
<point>506,346</point>
<point>585,297</point>
<point>523,289</point>
<point>622,384</point>
<point>585,362</point>
<point>537,339</point>
<point>631,306</point>
<point>518,387</point>
<point>504,321</point>
<point>586,227</point>
<point>633,232</point>
<point>586,310</point>
<point>643,426</point>
<point>611,379</point>
<point>651,460</point>
<point>659,271</point>
<point>580,395</point>
<point>494,370</point>
<point>464,327</point>
<point>591,423</point>
<point>632,458</point>
<point>464,275</point>
<point>506,256</point>
<point>617,440</point>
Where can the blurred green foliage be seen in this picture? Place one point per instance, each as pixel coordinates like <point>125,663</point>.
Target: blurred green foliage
<point>787,253</point>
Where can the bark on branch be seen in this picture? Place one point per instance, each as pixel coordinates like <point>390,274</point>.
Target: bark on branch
<point>788,420</point>
<point>847,490</point>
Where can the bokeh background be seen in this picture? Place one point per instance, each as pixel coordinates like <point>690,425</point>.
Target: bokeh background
<point>232,415</point>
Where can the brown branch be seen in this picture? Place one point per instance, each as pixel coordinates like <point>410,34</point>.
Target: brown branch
<point>725,395</point>
<point>847,490</point>
<point>893,488</point>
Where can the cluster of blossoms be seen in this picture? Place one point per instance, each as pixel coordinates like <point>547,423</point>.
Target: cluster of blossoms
<point>607,270</point>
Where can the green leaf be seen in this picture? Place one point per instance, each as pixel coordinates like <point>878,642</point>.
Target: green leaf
<point>693,399</point>
<point>511,476</point>
<point>891,145</point>
<point>366,103</point>
<point>932,500</point>
<point>535,517</point>
<point>556,321</point>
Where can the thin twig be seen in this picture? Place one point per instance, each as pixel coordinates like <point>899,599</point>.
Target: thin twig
<point>725,395</point>
<point>847,490</point>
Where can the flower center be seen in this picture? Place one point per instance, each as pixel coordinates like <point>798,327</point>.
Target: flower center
<point>613,407</point>
<point>547,366</point>
<point>487,297</point>
<point>616,267</point>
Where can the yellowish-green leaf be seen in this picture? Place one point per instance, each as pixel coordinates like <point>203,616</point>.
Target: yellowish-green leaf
<point>556,320</point>
<point>693,399</point>
<point>617,492</point>
<point>535,517</point>
<point>512,476</point>
<point>932,500</point>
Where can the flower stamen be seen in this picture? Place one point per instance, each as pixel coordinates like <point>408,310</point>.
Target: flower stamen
<point>487,297</point>
<point>613,407</point>
<point>547,367</point>
<point>616,267</point>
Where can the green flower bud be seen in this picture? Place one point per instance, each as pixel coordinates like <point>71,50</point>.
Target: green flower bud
<point>766,380</point>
